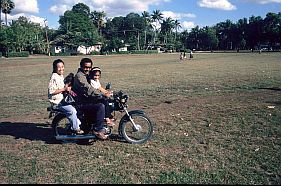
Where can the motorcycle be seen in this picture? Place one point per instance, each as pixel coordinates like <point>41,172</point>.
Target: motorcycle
<point>134,126</point>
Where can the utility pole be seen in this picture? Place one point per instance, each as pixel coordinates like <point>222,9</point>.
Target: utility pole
<point>138,40</point>
<point>48,45</point>
<point>0,14</point>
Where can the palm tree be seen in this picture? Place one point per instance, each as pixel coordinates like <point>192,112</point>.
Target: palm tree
<point>177,25</point>
<point>147,21</point>
<point>166,28</point>
<point>6,7</point>
<point>156,16</point>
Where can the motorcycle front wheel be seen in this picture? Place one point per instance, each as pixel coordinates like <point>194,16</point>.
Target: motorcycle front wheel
<point>139,133</point>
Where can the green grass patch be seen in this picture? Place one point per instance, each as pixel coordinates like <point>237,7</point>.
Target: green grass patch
<point>217,121</point>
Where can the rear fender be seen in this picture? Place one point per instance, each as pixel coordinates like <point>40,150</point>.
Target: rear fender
<point>57,118</point>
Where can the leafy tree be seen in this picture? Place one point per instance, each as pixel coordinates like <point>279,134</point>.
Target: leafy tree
<point>115,28</point>
<point>81,8</point>
<point>25,35</point>
<point>254,31</point>
<point>208,38</point>
<point>184,36</point>
<point>194,38</point>
<point>134,25</point>
<point>98,20</point>
<point>77,28</point>
<point>272,28</point>
<point>241,33</point>
<point>225,34</point>
<point>126,29</point>
<point>114,44</point>
<point>3,41</point>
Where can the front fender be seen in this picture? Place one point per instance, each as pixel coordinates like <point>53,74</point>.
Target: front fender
<point>136,112</point>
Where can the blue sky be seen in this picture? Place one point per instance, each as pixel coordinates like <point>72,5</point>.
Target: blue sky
<point>190,13</point>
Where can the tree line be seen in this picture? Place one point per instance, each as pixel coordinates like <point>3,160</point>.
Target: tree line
<point>145,31</point>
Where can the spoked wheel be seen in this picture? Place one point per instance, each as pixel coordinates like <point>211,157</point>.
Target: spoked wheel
<point>61,126</point>
<point>140,132</point>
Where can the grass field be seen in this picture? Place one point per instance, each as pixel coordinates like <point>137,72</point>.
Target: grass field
<point>217,117</point>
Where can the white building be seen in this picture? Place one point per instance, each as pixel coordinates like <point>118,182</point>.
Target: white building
<point>80,49</point>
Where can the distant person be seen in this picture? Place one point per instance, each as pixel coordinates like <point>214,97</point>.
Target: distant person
<point>95,75</point>
<point>56,90</point>
<point>184,55</point>
<point>191,54</point>
<point>181,56</point>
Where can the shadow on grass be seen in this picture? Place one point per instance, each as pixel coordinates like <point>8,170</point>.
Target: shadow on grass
<point>273,88</point>
<point>30,131</point>
<point>39,132</point>
<point>274,102</point>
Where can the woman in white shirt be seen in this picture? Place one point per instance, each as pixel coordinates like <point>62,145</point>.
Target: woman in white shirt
<point>55,94</point>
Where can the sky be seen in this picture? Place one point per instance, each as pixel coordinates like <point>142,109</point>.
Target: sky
<point>189,13</point>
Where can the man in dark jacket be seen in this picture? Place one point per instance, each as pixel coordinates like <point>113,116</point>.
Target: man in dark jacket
<point>85,92</point>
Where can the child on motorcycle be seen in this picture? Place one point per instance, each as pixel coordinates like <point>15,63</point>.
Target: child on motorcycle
<point>95,75</point>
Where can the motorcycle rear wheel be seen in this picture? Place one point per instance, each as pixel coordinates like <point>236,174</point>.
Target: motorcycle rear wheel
<point>142,134</point>
<point>61,126</point>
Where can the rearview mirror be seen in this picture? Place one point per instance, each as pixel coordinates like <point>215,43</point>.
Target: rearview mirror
<point>108,86</point>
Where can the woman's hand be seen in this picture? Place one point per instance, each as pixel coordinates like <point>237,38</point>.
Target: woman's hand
<point>67,88</point>
<point>108,93</point>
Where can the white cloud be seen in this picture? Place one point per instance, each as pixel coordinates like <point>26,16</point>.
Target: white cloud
<point>59,9</point>
<point>112,8</point>
<point>30,6</point>
<point>187,25</point>
<point>31,18</point>
<point>177,16</point>
<point>217,4</point>
<point>265,1</point>
<point>36,19</point>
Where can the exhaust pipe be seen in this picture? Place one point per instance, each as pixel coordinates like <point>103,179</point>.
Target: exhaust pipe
<point>75,137</point>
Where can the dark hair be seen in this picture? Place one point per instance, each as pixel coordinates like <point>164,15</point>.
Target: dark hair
<point>55,63</point>
<point>85,60</point>
<point>94,70</point>
<point>69,79</point>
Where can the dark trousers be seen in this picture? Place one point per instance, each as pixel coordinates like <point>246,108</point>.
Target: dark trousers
<point>96,112</point>
<point>108,109</point>
<point>105,102</point>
